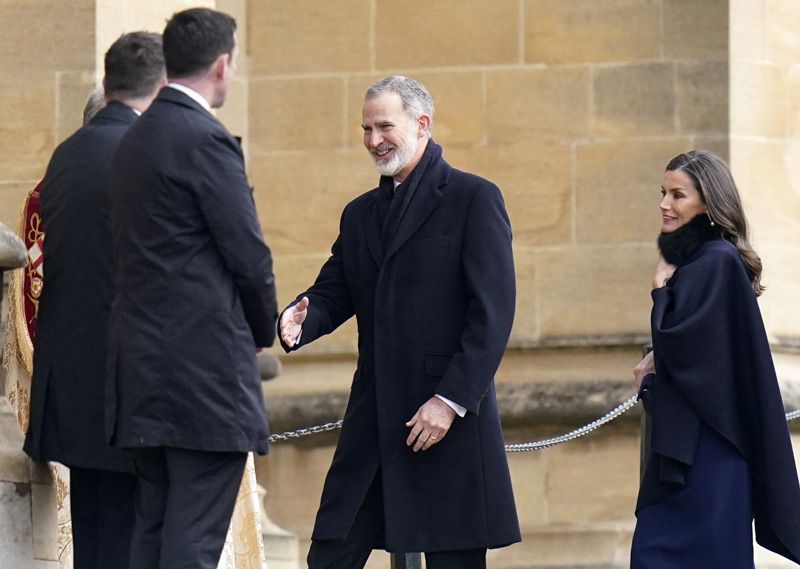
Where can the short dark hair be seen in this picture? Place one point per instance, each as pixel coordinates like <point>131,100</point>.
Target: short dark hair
<point>195,38</point>
<point>134,65</point>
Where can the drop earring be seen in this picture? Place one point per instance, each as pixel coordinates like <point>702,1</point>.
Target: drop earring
<point>710,219</point>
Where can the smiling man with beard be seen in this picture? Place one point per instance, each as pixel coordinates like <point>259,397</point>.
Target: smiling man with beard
<point>424,262</point>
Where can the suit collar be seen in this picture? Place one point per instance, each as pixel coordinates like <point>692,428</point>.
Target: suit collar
<point>174,96</point>
<point>191,93</point>
<point>116,112</point>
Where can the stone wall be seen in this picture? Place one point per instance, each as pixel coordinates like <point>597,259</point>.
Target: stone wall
<point>573,107</point>
<point>765,147</point>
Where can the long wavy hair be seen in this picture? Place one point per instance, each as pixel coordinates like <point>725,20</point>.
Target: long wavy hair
<point>712,178</point>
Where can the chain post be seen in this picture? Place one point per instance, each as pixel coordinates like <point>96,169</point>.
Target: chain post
<point>646,426</point>
<point>406,561</point>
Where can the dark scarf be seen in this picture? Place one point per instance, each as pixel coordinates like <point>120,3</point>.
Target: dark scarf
<point>681,244</point>
<point>392,213</point>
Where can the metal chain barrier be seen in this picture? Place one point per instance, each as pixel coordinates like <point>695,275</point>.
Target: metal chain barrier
<point>577,433</point>
<point>617,411</point>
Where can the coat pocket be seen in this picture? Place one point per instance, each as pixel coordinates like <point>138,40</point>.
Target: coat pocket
<point>436,364</point>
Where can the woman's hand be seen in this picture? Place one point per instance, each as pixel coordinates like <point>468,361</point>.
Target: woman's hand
<point>662,273</point>
<point>643,368</point>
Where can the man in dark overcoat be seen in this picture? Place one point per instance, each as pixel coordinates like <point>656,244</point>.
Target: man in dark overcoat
<point>194,299</point>
<point>425,264</point>
<point>71,342</point>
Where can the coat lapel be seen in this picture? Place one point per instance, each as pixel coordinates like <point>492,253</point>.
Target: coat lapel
<point>373,231</point>
<point>427,197</point>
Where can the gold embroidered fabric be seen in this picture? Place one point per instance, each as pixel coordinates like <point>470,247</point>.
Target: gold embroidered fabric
<point>244,545</point>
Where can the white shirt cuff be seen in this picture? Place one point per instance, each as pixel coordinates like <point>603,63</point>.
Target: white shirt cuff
<point>460,411</point>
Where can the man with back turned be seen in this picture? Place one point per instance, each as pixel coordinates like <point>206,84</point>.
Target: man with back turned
<point>71,341</point>
<point>424,262</point>
<point>194,299</point>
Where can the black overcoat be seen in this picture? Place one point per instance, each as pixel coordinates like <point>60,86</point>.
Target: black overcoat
<point>67,390</point>
<point>434,312</point>
<point>713,364</point>
<point>193,287</point>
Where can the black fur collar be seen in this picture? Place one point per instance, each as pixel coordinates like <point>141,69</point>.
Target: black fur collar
<point>679,245</point>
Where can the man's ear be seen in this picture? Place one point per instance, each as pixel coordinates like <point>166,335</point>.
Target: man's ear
<point>220,66</point>
<point>424,122</point>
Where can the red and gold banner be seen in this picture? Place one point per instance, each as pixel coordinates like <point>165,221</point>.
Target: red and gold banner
<point>26,286</point>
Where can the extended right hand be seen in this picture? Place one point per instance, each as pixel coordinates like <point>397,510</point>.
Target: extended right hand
<point>292,321</point>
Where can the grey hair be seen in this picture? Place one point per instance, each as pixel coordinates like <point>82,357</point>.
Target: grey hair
<point>415,97</point>
<point>94,103</point>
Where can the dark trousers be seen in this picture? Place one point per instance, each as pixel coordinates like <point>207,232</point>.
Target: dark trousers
<point>184,507</point>
<point>102,508</point>
<point>353,551</point>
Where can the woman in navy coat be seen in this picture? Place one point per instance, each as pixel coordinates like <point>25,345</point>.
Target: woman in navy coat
<point>720,453</point>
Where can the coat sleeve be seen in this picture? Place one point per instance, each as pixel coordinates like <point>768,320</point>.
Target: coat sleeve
<point>488,265</point>
<point>227,205</point>
<point>330,302</point>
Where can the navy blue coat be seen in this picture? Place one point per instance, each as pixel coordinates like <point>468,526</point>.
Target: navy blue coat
<point>434,312</point>
<point>713,364</point>
<point>193,287</point>
<point>69,373</point>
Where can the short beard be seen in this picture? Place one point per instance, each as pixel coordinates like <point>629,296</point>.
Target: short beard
<point>400,159</point>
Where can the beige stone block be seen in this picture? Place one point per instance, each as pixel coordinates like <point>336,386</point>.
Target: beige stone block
<point>568,364</point>
<point>300,196</point>
<point>695,30</point>
<point>47,35</point>
<point>767,174</point>
<point>635,99</point>
<point>417,33</point>
<point>74,29</point>
<point>576,31</point>
<point>529,478</point>
<point>760,100</point>
<point>311,375</point>
<point>567,547</point>
<point>536,181</point>
<point>748,25</point>
<point>525,104</point>
<point>782,21</point>
<point>793,86</point>
<point>595,291</point>
<point>11,196</point>
<point>292,500</point>
<point>73,91</point>
<point>296,114</point>
<point>780,304</point>
<point>309,36</point>
<point>525,331</point>
<point>27,125</point>
<point>295,274</point>
<point>618,188</point>
<point>153,16</point>
<point>594,479</point>
<point>719,145</point>
<point>235,113</point>
<point>702,97</point>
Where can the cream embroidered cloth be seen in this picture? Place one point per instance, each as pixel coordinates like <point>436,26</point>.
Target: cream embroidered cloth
<point>244,545</point>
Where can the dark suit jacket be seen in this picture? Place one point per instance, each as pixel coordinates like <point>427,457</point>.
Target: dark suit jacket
<point>434,311</point>
<point>67,393</point>
<point>193,287</point>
